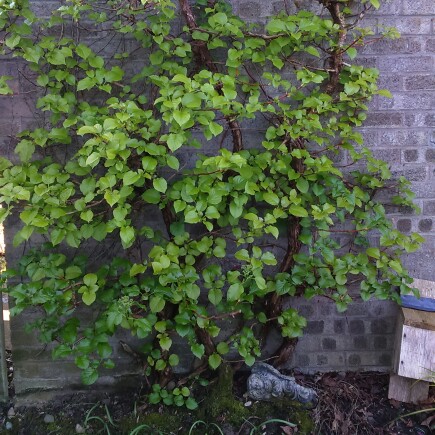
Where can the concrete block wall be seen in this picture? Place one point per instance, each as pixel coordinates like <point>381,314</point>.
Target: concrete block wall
<point>400,130</point>
<point>362,338</point>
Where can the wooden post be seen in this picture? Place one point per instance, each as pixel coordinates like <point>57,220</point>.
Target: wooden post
<point>407,390</point>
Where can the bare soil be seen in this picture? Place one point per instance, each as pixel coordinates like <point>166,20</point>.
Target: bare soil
<point>350,404</point>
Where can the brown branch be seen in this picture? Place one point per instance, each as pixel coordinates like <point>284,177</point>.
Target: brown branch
<point>336,58</point>
<point>203,57</point>
<point>274,303</point>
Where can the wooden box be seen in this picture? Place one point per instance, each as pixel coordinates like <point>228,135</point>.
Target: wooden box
<point>414,357</point>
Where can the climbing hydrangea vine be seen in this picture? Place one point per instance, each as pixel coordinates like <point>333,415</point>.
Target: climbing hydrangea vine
<point>190,169</point>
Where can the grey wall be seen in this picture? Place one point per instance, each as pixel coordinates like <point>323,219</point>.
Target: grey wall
<point>400,130</point>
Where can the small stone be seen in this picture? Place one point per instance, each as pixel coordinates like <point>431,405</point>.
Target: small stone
<point>248,404</point>
<point>171,385</point>
<point>48,418</point>
<point>8,425</point>
<point>80,429</point>
<point>11,412</point>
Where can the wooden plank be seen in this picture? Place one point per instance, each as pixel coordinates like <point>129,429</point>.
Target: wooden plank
<point>398,341</point>
<point>419,319</point>
<point>417,353</point>
<point>407,390</point>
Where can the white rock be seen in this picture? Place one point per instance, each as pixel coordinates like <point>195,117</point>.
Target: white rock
<point>80,429</point>
<point>48,418</point>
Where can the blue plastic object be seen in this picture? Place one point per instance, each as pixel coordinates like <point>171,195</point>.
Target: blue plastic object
<point>422,304</point>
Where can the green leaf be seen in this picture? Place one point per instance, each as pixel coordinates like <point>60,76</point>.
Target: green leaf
<point>235,291</point>
<point>193,291</point>
<point>89,297</point>
<point>86,83</point>
<point>72,272</point>
<point>127,235</point>
<point>351,52</point>
<point>219,252</point>
<point>297,210</point>
<point>222,348</point>
<point>242,255</point>
<point>351,88</point>
<point>165,342</point>
<point>385,93</point>
<point>173,360</point>
<point>396,266</point>
<point>93,159</point>
<point>83,51</point>
<point>90,279</point>
<point>96,61</point>
<point>215,296</point>
<point>25,150</point>
<point>341,279</point>
<point>175,141</point>
<point>312,50</point>
<point>198,350</point>
<point>137,269</point>
<point>214,361</point>
<point>215,128</point>
<point>373,252</point>
<point>89,376</point>
<point>173,162</point>
<point>157,304</point>
<point>302,185</point>
<point>160,185</point>
<point>236,210</point>
<point>271,198</point>
<point>56,57</point>
<point>191,403</point>
<point>200,36</point>
<point>375,3</point>
<point>82,362</point>
<point>151,196</point>
<point>192,217</point>
<point>181,116</point>
<point>104,350</point>
<point>192,100</point>
<point>130,177</point>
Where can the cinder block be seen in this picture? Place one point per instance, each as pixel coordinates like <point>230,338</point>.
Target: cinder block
<point>402,45</point>
<point>366,359</point>
<point>420,82</point>
<point>392,82</point>
<point>429,207</point>
<point>314,327</point>
<point>408,24</point>
<point>389,7</point>
<point>360,342</point>
<point>429,120</point>
<point>412,174</point>
<point>407,101</point>
<point>385,325</point>
<point>382,308</point>
<point>356,327</point>
<point>419,7</point>
<point>405,64</point>
<point>404,225</point>
<point>425,225</point>
<point>410,156</point>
